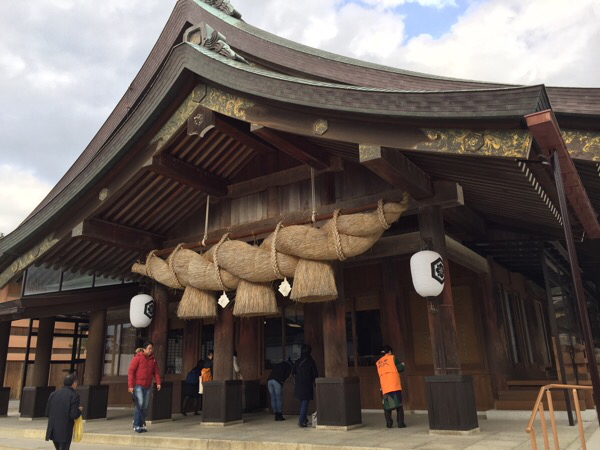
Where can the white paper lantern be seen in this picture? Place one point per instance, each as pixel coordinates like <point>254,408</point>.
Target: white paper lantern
<point>141,310</point>
<point>427,270</point>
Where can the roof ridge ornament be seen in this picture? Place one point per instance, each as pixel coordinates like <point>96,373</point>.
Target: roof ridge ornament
<point>224,6</point>
<point>204,35</point>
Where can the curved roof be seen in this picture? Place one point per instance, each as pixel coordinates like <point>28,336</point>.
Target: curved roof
<point>286,73</point>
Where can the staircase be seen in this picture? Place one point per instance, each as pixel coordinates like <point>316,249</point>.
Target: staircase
<point>521,394</point>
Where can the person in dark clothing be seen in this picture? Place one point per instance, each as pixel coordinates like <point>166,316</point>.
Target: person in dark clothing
<point>190,388</point>
<point>305,373</point>
<point>62,410</point>
<point>279,374</point>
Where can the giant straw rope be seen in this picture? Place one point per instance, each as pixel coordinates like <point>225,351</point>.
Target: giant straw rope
<point>284,253</point>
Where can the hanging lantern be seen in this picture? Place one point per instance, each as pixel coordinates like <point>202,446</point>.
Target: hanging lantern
<point>427,270</point>
<point>141,310</point>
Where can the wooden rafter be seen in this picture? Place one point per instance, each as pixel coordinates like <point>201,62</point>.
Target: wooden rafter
<point>281,178</point>
<point>295,146</point>
<point>187,174</point>
<point>116,235</point>
<point>545,130</point>
<point>204,119</point>
<point>395,168</point>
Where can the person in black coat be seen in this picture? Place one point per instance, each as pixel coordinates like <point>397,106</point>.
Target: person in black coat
<point>305,373</point>
<point>191,387</point>
<point>62,410</point>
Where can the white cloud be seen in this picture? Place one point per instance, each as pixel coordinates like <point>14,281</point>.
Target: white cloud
<point>395,3</point>
<point>510,41</point>
<point>66,63</point>
<point>21,191</point>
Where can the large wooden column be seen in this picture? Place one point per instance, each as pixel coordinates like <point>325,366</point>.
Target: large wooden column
<point>313,333</point>
<point>35,398</point>
<point>249,360</point>
<point>248,348</point>
<point>94,360</point>
<point>192,343</point>
<point>338,395</point>
<point>4,342</point>
<point>334,331</point>
<point>93,395</point>
<point>224,339</point>
<point>450,395</point>
<point>160,326</point>
<point>161,402</point>
<point>222,398</point>
<point>43,352</point>
<point>442,324</point>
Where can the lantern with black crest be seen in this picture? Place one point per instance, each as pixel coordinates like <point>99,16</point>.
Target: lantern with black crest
<point>427,270</point>
<point>141,310</point>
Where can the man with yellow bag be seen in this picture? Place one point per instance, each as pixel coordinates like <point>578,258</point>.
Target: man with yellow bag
<point>62,410</point>
<point>389,368</point>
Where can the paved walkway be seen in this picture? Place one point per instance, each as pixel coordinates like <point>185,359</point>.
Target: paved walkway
<point>260,431</point>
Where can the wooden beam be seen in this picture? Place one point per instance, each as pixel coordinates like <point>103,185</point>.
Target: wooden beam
<point>116,235</point>
<point>390,246</point>
<point>466,257</point>
<point>240,131</point>
<point>467,220</point>
<point>546,132</point>
<point>395,168</point>
<point>409,243</point>
<point>276,179</point>
<point>184,173</point>
<point>204,119</point>
<point>295,146</point>
<point>447,195</point>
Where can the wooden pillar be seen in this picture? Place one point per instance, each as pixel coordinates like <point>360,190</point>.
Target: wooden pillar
<point>159,327</point>
<point>496,339</point>
<point>95,348</point>
<point>442,324</point>
<point>43,352</point>
<point>248,348</point>
<point>192,343</point>
<point>450,395</point>
<point>4,341</point>
<point>313,333</point>
<point>224,339</point>
<point>334,331</point>
<point>391,325</point>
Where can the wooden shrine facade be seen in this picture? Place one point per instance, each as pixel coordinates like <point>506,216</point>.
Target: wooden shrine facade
<point>264,131</point>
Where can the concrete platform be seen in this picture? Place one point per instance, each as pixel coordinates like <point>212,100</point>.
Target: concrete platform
<point>259,431</point>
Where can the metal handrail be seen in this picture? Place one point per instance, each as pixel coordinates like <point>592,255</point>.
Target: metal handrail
<point>539,407</point>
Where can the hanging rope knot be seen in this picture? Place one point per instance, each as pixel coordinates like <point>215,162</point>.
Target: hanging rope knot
<point>274,263</point>
<point>206,221</point>
<point>216,260</point>
<point>171,269</point>
<point>381,215</point>
<point>313,216</point>
<point>337,240</point>
<point>147,266</point>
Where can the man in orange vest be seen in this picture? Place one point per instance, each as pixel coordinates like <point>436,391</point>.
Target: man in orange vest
<point>389,369</point>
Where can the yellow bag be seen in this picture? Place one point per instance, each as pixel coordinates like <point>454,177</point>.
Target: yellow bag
<point>78,429</point>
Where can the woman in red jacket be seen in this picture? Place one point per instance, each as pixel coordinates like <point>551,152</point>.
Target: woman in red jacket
<point>142,369</point>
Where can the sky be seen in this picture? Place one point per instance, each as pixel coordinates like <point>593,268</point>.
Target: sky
<point>64,64</point>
